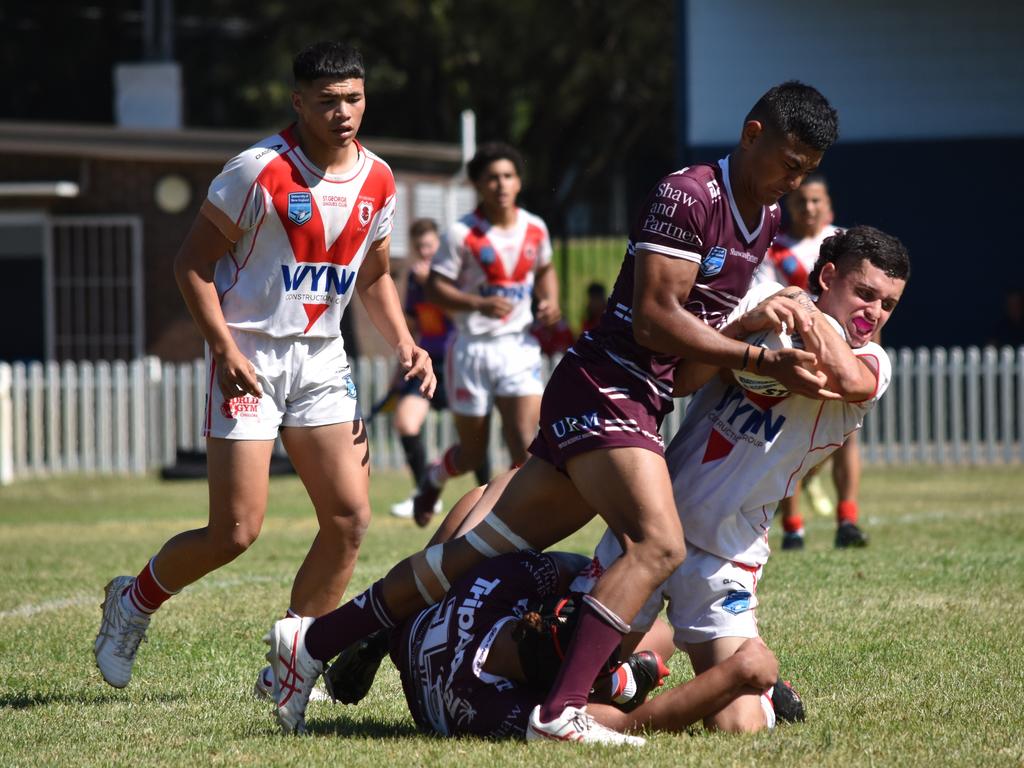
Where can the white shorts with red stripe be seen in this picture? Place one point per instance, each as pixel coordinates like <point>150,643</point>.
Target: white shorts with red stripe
<point>708,597</point>
<point>479,369</point>
<point>306,383</point>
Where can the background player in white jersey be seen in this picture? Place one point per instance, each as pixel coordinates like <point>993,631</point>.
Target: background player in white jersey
<point>289,229</point>
<point>790,261</point>
<point>737,453</point>
<point>491,263</point>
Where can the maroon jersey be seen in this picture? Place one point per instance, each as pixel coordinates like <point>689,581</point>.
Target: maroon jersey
<point>441,651</point>
<point>690,214</point>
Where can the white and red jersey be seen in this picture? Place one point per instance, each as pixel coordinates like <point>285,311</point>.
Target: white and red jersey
<point>737,454</point>
<point>493,261</point>
<point>790,261</point>
<point>300,236</point>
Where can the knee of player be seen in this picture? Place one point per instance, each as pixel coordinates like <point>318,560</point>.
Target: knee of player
<point>349,526</point>
<point>757,665</point>
<point>233,542</point>
<point>658,555</point>
<point>740,717</point>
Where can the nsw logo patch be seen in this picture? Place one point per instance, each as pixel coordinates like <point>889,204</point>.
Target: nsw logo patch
<point>713,262</point>
<point>300,207</point>
<point>738,601</point>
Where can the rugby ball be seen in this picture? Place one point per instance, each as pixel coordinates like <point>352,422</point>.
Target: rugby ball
<point>771,339</point>
<point>759,383</point>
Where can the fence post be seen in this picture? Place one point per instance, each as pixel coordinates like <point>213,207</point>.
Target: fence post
<point>36,420</point>
<point>990,359</point>
<point>906,376</point>
<point>168,411</point>
<point>1006,403</point>
<point>956,397</point>
<point>121,395</point>
<point>1020,403</point>
<point>104,419</point>
<point>19,401</point>
<point>923,376</point>
<point>940,404</point>
<point>138,428</point>
<point>87,415</point>
<point>6,424</point>
<point>52,413</point>
<point>69,414</point>
<point>974,404</point>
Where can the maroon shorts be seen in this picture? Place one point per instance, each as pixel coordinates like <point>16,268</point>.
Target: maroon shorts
<point>592,404</point>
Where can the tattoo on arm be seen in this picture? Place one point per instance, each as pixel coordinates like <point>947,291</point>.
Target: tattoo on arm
<point>801,297</point>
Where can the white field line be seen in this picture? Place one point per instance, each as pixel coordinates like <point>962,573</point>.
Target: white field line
<point>77,601</point>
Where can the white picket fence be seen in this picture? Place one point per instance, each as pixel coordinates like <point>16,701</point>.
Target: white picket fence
<point>950,407</point>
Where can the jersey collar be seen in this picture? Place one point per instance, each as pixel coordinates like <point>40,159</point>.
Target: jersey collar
<point>748,236</point>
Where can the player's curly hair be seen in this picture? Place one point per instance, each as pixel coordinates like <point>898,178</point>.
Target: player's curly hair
<point>847,248</point>
<point>488,153</point>
<point>799,110</point>
<point>328,58</point>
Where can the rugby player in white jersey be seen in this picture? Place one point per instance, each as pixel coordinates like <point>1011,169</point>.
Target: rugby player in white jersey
<point>790,261</point>
<point>290,229</point>
<point>491,264</point>
<point>738,453</point>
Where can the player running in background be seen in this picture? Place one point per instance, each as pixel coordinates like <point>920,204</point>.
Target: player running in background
<point>290,229</point>
<point>737,453</point>
<point>689,260</point>
<point>491,263</point>
<point>432,330</point>
<point>790,261</point>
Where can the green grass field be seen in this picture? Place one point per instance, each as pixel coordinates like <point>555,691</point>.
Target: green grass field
<point>906,653</point>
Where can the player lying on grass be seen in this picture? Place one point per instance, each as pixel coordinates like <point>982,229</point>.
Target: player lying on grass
<point>478,662</point>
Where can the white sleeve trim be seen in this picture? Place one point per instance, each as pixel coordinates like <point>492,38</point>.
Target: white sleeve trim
<point>675,253</point>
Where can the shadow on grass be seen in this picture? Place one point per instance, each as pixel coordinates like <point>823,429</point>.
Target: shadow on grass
<point>365,727</point>
<point>29,700</point>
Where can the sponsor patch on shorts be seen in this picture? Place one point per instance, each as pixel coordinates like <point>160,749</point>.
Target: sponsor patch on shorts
<point>737,601</point>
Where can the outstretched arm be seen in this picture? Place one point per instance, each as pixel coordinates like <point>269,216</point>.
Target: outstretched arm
<point>662,323</point>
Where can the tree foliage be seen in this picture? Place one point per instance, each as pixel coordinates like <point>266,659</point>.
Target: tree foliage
<point>584,87</point>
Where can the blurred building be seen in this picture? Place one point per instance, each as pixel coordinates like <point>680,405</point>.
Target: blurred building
<point>931,103</point>
<point>91,217</point>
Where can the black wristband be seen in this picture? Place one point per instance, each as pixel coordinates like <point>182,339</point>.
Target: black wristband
<point>760,358</point>
<point>746,358</point>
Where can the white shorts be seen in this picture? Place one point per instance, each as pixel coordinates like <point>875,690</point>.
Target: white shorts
<point>708,597</point>
<point>479,369</point>
<point>306,383</point>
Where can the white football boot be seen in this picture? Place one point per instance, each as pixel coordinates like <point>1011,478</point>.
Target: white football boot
<point>574,724</point>
<point>121,631</point>
<point>403,509</point>
<point>295,671</point>
<point>264,687</point>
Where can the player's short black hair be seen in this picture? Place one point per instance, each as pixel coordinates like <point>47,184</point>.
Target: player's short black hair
<point>328,58</point>
<point>488,153</point>
<point>420,227</point>
<point>847,248</point>
<point>597,289</point>
<point>815,178</point>
<point>799,110</point>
